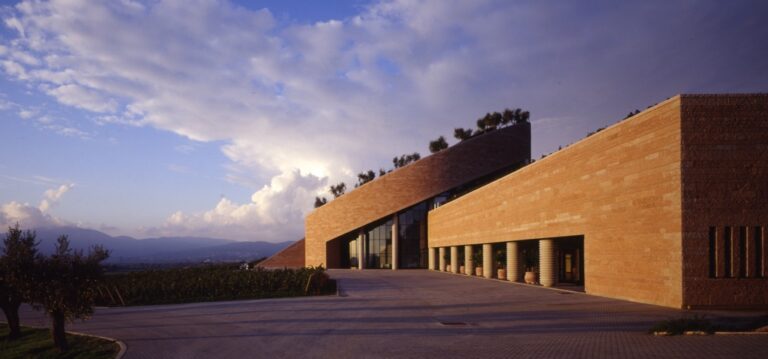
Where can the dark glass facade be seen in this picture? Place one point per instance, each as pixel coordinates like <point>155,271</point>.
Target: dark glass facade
<point>412,233</point>
<point>379,246</point>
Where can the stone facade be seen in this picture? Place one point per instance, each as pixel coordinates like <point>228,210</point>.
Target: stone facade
<point>290,257</point>
<point>643,193</point>
<point>481,156</point>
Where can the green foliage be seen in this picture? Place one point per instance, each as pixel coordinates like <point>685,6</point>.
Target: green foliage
<point>681,325</point>
<point>36,343</point>
<point>338,189</point>
<point>320,201</point>
<point>438,145</point>
<point>17,274</point>
<point>462,134</point>
<point>213,283</point>
<point>365,177</point>
<point>404,160</point>
<point>66,285</point>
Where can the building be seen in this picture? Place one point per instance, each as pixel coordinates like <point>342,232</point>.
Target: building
<point>668,207</point>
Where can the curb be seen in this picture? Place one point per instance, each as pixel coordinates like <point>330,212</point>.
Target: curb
<point>119,343</point>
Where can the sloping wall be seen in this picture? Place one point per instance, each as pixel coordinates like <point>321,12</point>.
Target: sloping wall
<point>619,188</point>
<point>725,184</point>
<point>290,257</point>
<point>409,185</point>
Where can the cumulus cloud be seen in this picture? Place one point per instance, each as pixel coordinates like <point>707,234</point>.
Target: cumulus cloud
<point>335,97</point>
<point>29,216</point>
<point>272,213</point>
<point>52,196</point>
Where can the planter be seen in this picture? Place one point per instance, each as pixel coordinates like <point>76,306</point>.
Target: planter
<point>461,269</point>
<point>530,277</point>
<point>501,274</point>
<point>479,271</point>
<point>447,267</point>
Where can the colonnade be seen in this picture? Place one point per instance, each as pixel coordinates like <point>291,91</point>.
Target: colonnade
<point>447,260</point>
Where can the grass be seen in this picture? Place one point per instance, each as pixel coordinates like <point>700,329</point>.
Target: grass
<point>37,343</point>
<point>681,325</point>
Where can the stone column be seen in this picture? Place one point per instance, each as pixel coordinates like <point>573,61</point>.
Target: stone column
<point>441,258</point>
<point>513,262</point>
<point>431,258</point>
<point>454,259</point>
<point>360,253</point>
<point>487,261</point>
<point>395,235</point>
<point>546,262</point>
<point>468,265</point>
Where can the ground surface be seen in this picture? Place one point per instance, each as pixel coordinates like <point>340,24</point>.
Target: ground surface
<point>37,343</point>
<point>399,314</point>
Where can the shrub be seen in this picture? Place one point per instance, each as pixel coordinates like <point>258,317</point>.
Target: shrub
<point>681,325</point>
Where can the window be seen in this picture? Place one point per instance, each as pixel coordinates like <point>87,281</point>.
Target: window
<point>742,252</point>
<point>727,251</point>
<point>712,252</point>
<point>758,252</point>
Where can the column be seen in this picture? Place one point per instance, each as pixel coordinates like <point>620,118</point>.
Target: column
<point>513,262</point>
<point>441,258</point>
<point>431,258</point>
<point>468,265</point>
<point>360,253</point>
<point>395,236</point>
<point>546,263</point>
<point>487,261</point>
<point>455,259</point>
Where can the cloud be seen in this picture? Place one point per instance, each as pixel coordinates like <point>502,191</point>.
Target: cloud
<point>335,97</point>
<point>271,214</point>
<point>52,196</point>
<point>29,216</point>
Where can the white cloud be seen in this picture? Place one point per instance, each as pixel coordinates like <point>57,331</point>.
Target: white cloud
<point>52,196</point>
<point>29,216</point>
<point>271,214</point>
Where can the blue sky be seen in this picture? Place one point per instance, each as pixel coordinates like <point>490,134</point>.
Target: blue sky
<point>225,119</point>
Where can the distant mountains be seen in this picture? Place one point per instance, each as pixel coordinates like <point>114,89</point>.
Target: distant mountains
<point>159,250</point>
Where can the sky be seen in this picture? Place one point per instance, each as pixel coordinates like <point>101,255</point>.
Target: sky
<point>226,118</point>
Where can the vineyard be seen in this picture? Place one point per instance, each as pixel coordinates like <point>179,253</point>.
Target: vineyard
<point>211,283</point>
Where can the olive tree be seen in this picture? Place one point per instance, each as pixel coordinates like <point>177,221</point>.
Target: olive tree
<point>17,267</point>
<point>67,284</point>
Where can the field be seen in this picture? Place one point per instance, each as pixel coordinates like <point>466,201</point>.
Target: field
<point>211,283</point>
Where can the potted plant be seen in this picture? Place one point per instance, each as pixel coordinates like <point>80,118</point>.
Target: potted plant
<point>477,258</point>
<point>529,260</point>
<point>501,271</point>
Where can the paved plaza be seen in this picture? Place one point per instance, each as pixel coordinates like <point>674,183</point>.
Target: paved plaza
<point>410,314</point>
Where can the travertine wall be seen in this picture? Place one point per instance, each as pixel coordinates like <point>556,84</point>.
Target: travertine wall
<point>409,185</point>
<point>290,257</point>
<point>725,183</point>
<point>619,188</point>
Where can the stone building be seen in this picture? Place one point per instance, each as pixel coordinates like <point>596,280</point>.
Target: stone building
<point>668,207</point>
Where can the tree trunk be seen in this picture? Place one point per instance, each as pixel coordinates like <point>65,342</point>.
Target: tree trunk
<point>11,311</point>
<point>57,331</point>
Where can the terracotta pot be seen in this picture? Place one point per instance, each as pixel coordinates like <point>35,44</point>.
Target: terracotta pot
<point>447,267</point>
<point>479,271</point>
<point>461,269</point>
<point>501,274</point>
<point>530,277</point>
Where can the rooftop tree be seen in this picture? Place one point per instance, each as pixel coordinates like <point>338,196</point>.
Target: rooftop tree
<point>338,189</point>
<point>365,177</point>
<point>320,201</point>
<point>438,145</point>
<point>405,159</point>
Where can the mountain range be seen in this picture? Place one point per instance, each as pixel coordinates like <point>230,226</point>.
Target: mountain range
<point>124,249</point>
